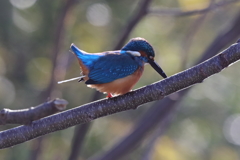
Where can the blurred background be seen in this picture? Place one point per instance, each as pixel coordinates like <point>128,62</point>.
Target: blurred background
<point>34,54</point>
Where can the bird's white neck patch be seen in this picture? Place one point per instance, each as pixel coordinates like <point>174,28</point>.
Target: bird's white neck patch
<point>134,53</point>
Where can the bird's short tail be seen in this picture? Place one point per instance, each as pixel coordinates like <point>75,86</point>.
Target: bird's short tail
<point>79,53</point>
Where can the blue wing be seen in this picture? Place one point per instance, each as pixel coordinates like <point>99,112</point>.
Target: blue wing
<point>111,67</point>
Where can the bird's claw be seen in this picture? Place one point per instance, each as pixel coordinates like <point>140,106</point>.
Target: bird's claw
<point>109,95</point>
<point>80,80</point>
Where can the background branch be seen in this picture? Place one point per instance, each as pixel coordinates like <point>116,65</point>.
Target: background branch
<point>26,116</point>
<point>195,26</point>
<point>179,12</point>
<point>58,71</point>
<point>139,14</point>
<point>58,40</point>
<point>160,130</point>
<point>125,102</point>
<point>78,140</point>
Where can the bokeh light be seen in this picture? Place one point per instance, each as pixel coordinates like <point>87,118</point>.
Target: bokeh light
<point>231,129</point>
<point>193,4</point>
<point>98,14</point>
<point>22,23</point>
<point>23,4</point>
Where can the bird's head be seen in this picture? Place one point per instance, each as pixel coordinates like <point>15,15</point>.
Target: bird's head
<point>141,48</point>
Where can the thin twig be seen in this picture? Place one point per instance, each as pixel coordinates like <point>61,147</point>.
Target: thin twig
<point>131,100</point>
<point>179,12</point>
<point>26,116</point>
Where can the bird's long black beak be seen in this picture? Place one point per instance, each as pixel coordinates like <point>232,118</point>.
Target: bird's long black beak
<point>157,68</point>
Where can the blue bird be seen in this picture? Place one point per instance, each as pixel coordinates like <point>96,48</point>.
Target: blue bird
<point>116,72</point>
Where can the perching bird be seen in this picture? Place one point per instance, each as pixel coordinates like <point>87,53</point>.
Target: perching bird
<point>116,72</point>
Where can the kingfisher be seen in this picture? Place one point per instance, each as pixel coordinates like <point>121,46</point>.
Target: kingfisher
<point>116,72</point>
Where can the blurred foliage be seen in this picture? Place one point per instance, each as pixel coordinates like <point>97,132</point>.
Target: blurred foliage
<point>201,129</point>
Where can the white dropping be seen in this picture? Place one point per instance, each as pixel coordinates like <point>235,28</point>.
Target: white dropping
<point>72,79</point>
<point>134,53</point>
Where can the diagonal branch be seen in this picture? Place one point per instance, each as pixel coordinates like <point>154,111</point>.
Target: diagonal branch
<point>178,12</point>
<point>132,100</point>
<point>160,130</point>
<point>26,116</point>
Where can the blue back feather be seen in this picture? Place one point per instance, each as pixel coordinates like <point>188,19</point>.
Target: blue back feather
<point>112,67</point>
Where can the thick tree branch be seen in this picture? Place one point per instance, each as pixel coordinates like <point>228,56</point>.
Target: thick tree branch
<point>179,12</point>
<point>125,102</point>
<point>26,116</point>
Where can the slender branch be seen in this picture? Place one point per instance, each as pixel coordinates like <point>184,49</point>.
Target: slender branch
<point>139,14</point>
<point>26,116</point>
<point>78,139</point>
<point>160,130</point>
<point>179,12</point>
<point>58,40</point>
<point>131,100</point>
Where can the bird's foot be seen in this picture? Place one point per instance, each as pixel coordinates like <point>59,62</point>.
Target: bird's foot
<point>109,95</point>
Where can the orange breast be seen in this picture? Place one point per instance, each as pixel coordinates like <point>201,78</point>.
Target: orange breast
<point>119,86</point>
